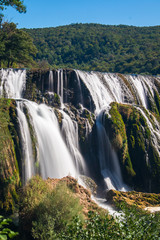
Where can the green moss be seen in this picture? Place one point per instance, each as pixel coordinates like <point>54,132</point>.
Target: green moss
<point>131,138</point>
<point>116,131</point>
<point>89,116</point>
<point>9,147</point>
<point>140,147</point>
<point>57,101</point>
<point>157,100</point>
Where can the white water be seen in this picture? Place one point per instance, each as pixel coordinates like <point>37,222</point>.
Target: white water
<point>13,83</point>
<point>143,86</point>
<point>51,82</point>
<point>26,143</point>
<point>109,163</point>
<point>70,133</point>
<point>103,92</point>
<point>54,157</point>
<point>57,157</point>
<point>155,133</point>
<point>55,160</point>
<point>105,88</point>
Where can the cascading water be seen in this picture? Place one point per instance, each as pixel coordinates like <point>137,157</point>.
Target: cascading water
<point>102,97</point>
<point>54,157</point>
<point>26,143</point>
<point>51,82</point>
<point>12,83</point>
<point>58,149</point>
<point>110,168</point>
<point>69,127</point>
<point>70,133</point>
<point>12,86</point>
<point>55,160</point>
<point>105,88</point>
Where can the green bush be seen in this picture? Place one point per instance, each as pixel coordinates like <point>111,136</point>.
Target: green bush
<point>132,224</point>
<point>5,231</point>
<point>45,211</point>
<point>54,212</point>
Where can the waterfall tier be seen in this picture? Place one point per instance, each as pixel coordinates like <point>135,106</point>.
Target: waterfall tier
<point>74,122</point>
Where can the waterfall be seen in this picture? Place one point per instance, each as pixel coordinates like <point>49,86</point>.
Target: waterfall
<point>54,157</point>
<point>70,133</point>
<point>51,81</point>
<point>103,92</point>
<point>57,143</point>
<point>108,159</point>
<point>155,133</point>
<point>55,160</point>
<point>12,83</point>
<point>26,143</point>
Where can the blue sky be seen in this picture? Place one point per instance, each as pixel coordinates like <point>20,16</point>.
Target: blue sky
<point>52,13</point>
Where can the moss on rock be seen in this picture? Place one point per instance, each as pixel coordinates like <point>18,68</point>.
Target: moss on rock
<point>131,137</point>
<point>9,146</point>
<point>140,199</point>
<point>116,131</point>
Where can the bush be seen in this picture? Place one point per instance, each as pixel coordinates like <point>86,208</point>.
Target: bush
<point>132,224</point>
<point>5,231</point>
<point>57,214</point>
<point>54,212</point>
<point>45,211</point>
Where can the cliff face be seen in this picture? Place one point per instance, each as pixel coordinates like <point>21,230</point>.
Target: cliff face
<point>109,123</point>
<point>9,155</point>
<point>131,136</point>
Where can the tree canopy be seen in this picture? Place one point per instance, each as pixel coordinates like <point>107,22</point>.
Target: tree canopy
<point>17,4</point>
<point>16,46</point>
<point>123,49</point>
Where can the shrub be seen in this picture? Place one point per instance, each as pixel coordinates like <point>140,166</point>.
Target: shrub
<point>132,224</point>
<point>5,230</point>
<point>54,212</point>
<point>45,211</point>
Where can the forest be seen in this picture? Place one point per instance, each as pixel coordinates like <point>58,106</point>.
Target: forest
<point>107,48</point>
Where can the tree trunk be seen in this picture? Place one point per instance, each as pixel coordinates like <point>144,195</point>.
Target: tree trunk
<point>8,64</point>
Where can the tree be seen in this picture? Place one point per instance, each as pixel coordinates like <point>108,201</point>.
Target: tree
<point>17,4</point>
<point>16,45</point>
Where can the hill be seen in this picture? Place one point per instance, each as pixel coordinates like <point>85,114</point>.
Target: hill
<point>123,49</point>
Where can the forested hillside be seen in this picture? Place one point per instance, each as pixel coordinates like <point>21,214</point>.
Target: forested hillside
<point>123,49</point>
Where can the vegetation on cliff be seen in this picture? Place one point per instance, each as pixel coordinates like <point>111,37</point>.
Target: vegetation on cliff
<point>123,49</point>
<point>132,198</point>
<point>9,150</point>
<point>131,137</point>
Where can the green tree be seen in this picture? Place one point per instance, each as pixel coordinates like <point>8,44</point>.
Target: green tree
<point>16,45</point>
<point>17,4</point>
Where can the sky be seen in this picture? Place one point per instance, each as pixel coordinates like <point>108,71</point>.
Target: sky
<point>53,13</point>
